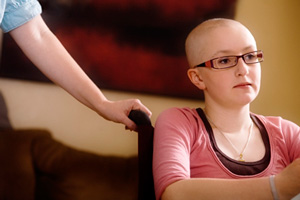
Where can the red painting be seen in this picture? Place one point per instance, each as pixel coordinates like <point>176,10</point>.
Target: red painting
<point>128,45</point>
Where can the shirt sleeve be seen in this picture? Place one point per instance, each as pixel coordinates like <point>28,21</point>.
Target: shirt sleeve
<point>18,12</point>
<point>171,149</point>
<point>292,136</point>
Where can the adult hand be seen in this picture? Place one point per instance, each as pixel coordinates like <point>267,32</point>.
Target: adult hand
<point>288,181</point>
<point>118,111</point>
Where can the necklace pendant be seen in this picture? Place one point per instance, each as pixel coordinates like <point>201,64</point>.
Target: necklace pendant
<point>241,158</point>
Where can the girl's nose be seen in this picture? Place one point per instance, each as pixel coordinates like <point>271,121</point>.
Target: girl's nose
<point>242,68</point>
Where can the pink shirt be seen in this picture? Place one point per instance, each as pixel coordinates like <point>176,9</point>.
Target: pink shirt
<point>182,148</point>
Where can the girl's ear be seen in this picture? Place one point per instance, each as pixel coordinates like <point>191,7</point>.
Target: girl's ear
<point>196,78</point>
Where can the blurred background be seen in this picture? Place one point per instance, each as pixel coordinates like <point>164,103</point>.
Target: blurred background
<point>36,103</point>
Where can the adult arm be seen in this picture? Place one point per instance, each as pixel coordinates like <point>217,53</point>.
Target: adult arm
<point>46,52</point>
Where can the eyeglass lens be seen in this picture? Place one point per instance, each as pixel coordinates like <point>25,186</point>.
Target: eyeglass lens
<point>230,61</point>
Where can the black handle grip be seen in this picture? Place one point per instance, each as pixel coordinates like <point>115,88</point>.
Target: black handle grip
<point>139,117</point>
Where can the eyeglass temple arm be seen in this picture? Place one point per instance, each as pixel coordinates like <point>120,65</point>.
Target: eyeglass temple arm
<point>205,64</point>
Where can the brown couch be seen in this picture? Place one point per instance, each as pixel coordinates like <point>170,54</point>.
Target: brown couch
<point>36,166</point>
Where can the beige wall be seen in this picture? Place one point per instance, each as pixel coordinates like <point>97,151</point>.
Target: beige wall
<point>47,106</point>
<point>275,25</point>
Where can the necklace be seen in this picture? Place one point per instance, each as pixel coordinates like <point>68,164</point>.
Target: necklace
<point>240,154</point>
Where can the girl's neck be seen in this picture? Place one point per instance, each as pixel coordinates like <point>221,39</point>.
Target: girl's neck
<point>229,120</point>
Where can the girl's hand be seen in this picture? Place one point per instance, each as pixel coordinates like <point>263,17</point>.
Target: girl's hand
<point>288,181</point>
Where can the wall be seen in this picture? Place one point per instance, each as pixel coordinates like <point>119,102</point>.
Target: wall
<point>275,25</point>
<point>47,106</point>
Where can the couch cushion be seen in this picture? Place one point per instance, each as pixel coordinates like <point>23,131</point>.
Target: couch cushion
<point>17,176</point>
<point>4,120</point>
<point>36,166</point>
<point>66,173</point>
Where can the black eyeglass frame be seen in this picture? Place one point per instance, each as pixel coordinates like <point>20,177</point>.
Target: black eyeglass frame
<point>210,63</point>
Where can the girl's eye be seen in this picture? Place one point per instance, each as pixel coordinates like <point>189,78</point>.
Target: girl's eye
<point>223,61</point>
<point>250,56</point>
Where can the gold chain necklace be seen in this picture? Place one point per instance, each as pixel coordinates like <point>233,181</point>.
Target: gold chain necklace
<point>241,154</point>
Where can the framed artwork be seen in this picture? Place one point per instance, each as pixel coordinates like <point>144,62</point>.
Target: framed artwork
<point>128,45</point>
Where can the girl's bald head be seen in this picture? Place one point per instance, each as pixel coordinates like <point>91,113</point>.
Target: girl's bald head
<point>199,38</point>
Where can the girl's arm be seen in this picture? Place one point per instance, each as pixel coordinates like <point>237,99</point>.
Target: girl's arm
<point>287,185</point>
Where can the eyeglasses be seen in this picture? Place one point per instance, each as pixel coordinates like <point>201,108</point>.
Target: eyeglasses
<point>231,61</point>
